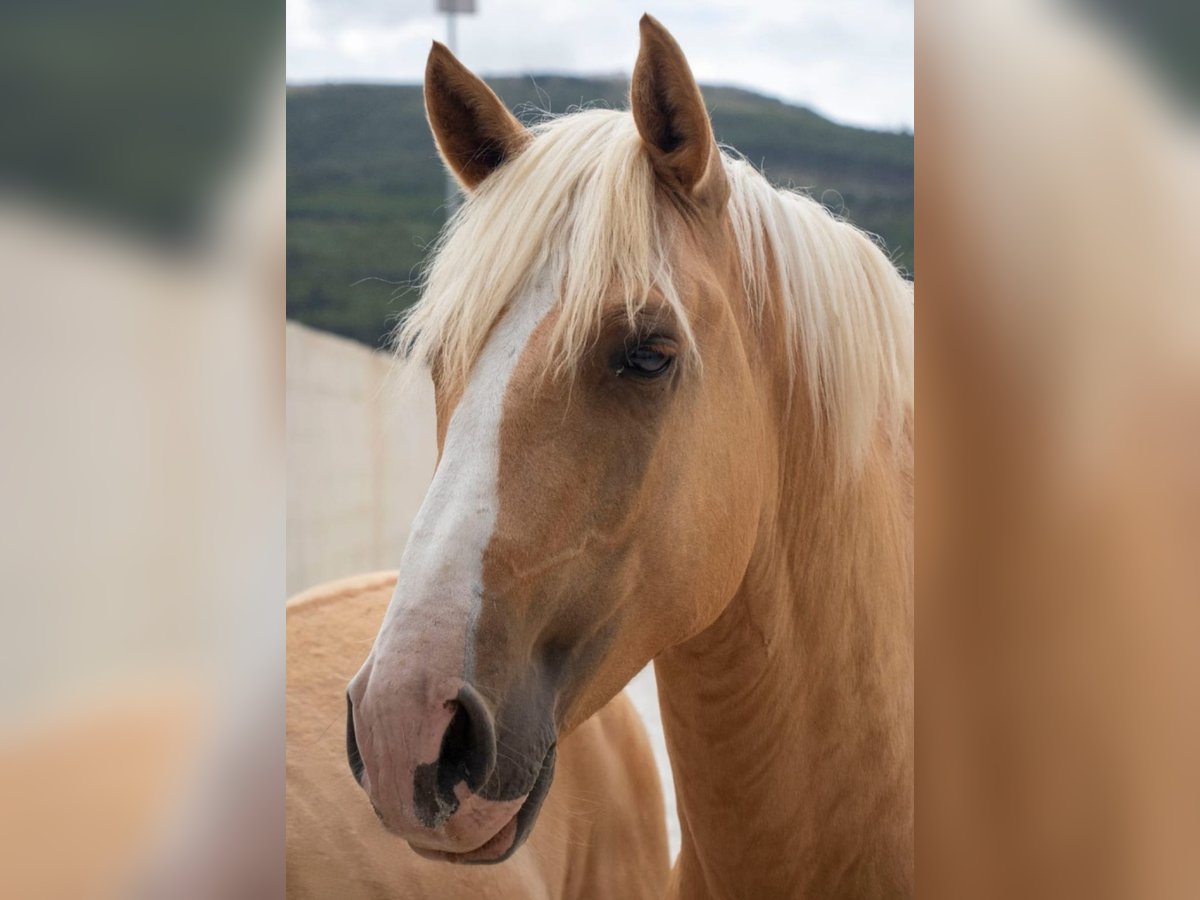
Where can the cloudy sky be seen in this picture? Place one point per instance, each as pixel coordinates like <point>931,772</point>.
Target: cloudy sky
<point>851,60</point>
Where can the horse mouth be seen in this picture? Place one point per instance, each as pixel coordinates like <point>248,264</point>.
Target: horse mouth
<point>513,833</point>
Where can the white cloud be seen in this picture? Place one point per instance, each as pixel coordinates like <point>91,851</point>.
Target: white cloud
<point>850,59</point>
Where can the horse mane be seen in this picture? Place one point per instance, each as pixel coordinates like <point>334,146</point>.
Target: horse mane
<point>580,205</point>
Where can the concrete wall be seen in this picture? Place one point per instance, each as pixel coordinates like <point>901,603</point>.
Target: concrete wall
<point>361,450</point>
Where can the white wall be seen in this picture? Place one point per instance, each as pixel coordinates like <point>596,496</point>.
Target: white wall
<point>361,452</point>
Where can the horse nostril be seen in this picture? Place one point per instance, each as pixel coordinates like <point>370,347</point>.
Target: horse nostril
<point>468,754</point>
<point>356,763</point>
<point>469,744</point>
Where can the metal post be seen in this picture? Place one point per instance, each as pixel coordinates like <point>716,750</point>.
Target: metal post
<point>451,184</point>
<point>452,8</point>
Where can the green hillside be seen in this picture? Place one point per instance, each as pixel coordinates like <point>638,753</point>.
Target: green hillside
<point>366,191</point>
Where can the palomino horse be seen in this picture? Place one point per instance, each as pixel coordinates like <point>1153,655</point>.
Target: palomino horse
<point>603,833</point>
<point>674,423</point>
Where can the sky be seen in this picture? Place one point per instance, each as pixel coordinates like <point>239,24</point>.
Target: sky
<point>851,60</point>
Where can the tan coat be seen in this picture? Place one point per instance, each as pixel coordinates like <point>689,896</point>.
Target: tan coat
<point>601,833</point>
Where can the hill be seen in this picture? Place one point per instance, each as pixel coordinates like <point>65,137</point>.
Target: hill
<point>366,190</point>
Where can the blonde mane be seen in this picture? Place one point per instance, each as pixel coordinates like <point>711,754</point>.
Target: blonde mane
<point>580,204</point>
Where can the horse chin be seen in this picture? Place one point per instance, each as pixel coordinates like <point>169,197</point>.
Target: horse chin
<point>505,842</point>
<point>513,834</point>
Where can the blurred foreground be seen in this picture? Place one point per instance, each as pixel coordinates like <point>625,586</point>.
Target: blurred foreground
<point>1059,462</point>
<point>142,479</point>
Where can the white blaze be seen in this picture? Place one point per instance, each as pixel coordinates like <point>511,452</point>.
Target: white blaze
<point>443,561</point>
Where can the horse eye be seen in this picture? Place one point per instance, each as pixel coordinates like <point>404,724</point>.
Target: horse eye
<point>645,361</point>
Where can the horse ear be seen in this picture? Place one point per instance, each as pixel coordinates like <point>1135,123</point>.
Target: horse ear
<point>474,131</point>
<point>672,119</point>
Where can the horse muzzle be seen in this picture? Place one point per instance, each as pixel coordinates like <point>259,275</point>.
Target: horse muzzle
<point>437,768</point>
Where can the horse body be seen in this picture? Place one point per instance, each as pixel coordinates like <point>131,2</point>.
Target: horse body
<point>602,834</point>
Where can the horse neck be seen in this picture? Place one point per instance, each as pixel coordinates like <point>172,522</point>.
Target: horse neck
<point>789,720</point>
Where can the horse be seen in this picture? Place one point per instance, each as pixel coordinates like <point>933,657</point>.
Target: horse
<point>674,423</point>
<point>604,834</point>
